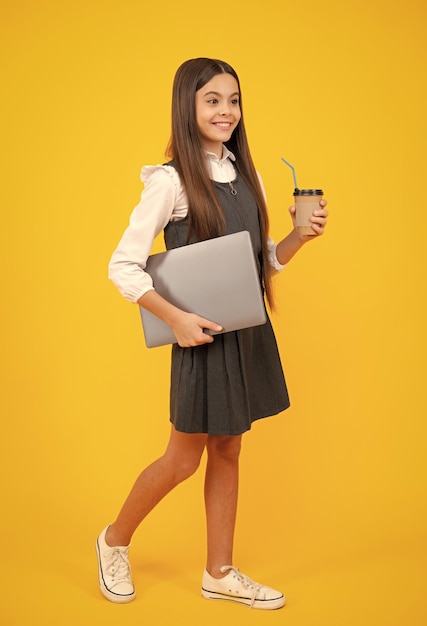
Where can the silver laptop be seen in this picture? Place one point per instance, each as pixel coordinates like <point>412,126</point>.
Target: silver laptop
<point>217,279</point>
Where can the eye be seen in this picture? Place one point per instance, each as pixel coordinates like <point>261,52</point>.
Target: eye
<point>235,101</point>
<point>213,101</point>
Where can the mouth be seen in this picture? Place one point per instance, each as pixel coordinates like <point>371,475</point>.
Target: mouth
<point>223,125</point>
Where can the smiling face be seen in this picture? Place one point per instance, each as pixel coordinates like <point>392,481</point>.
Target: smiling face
<point>217,111</point>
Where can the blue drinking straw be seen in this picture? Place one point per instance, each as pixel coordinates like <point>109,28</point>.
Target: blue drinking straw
<point>293,172</point>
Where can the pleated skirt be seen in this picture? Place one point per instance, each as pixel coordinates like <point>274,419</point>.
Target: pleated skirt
<point>222,387</point>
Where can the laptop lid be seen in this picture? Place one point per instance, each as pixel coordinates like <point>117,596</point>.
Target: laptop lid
<point>217,279</point>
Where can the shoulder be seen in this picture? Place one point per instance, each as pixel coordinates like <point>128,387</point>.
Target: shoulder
<point>160,174</point>
<point>261,185</point>
<point>259,177</point>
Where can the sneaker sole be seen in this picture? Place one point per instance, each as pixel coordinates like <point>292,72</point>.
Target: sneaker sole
<point>110,595</point>
<point>276,603</point>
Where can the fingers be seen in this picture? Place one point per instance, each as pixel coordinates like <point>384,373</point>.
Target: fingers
<point>197,338</point>
<point>319,221</point>
<point>209,325</point>
<point>209,328</point>
<point>319,218</point>
<point>197,331</point>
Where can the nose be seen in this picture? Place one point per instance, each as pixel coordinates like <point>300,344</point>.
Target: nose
<point>225,109</point>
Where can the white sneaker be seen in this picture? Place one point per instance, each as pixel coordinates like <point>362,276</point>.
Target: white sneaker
<point>239,588</point>
<point>115,579</point>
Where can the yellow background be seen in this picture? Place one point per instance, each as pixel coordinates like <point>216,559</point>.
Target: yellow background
<point>332,507</point>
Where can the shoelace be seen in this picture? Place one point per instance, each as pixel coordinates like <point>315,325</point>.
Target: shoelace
<point>247,582</point>
<point>118,566</point>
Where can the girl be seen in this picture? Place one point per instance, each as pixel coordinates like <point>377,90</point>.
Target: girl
<point>221,384</point>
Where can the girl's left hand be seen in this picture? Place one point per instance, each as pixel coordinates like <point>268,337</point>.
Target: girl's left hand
<point>318,219</point>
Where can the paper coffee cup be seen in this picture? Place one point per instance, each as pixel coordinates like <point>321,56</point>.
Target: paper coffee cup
<point>306,202</point>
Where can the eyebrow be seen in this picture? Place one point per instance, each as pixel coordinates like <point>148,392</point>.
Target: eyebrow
<point>216,93</point>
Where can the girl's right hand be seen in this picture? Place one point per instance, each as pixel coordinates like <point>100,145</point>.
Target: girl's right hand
<point>189,328</point>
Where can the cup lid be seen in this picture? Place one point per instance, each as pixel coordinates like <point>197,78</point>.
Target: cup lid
<point>308,192</point>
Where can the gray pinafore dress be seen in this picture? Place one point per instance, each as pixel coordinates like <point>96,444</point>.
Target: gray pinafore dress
<point>222,387</point>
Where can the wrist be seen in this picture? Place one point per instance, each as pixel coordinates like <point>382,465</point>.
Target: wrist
<point>156,304</point>
<point>289,246</point>
<point>296,236</point>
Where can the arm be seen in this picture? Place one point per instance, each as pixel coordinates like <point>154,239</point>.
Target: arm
<point>162,199</point>
<point>290,245</point>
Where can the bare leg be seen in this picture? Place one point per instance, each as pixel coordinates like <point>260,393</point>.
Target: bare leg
<point>181,459</point>
<point>221,490</point>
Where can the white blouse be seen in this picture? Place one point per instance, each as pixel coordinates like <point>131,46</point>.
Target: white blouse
<point>163,200</point>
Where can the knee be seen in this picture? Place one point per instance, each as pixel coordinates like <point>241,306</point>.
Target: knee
<point>182,455</point>
<point>184,466</point>
<point>224,447</point>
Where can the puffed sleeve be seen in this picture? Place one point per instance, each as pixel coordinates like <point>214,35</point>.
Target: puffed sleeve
<point>271,246</point>
<point>162,192</point>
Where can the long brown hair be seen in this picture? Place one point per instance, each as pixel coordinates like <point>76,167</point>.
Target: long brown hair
<point>206,219</point>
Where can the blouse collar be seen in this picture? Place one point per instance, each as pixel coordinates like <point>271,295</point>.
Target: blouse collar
<point>226,154</point>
